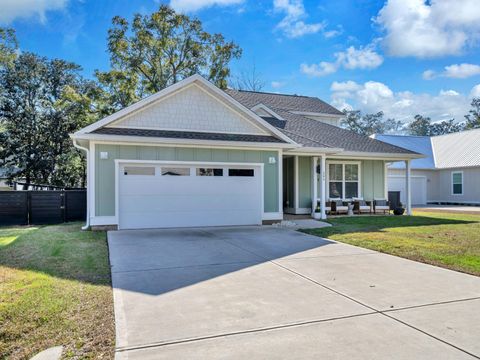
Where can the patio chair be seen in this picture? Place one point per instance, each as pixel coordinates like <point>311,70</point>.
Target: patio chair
<point>361,206</point>
<point>338,206</point>
<point>381,205</point>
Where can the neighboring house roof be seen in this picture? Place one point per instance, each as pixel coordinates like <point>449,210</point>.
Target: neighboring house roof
<point>457,150</point>
<point>419,144</point>
<point>314,133</point>
<point>283,101</point>
<point>187,135</point>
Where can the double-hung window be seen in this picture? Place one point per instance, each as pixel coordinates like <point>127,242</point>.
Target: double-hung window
<point>343,180</point>
<point>457,183</point>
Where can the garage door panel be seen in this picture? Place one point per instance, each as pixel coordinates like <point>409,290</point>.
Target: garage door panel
<point>151,201</point>
<point>182,202</point>
<point>190,219</point>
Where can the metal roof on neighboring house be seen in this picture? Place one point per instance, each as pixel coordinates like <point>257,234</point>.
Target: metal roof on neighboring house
<point>283,101</point>
<point>455,150</point>
<point>419,144</point>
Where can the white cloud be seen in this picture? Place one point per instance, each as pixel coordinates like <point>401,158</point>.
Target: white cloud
<point>429,29</point>
<point>475,91</point>
<point>292,24</point>
<point>456,71</point>
<point>321,69</point>
<point>345,86</point>
<point>195,5</point>
<point>371,97</point>
<point>25,9</point>
<point>361,58</point>
<point>461,71</point>
<point>277,84</point>
<point>429,75</point>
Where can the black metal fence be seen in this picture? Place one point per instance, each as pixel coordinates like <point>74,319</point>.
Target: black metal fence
<point>42,207</point>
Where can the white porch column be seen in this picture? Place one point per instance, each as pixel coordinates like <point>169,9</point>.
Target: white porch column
<point>323,189</point>
<point>295,184</point>
<point>408,186</point>
<point>314,184</point>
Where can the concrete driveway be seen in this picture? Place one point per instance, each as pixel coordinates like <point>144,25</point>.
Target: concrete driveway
<point>269,293</point>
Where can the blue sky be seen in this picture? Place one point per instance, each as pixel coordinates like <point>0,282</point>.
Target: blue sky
<point>402,57</point>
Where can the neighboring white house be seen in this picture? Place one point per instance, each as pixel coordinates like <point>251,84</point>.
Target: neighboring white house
<point>450,172</point>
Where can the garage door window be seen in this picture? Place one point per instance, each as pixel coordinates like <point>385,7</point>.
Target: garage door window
<point>241,172</point>
<point>175,171</point>
<point>209,172</point>
<point>139,170</point>
<point>457,183</point>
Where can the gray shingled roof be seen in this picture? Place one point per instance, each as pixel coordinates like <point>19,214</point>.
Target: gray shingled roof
<point>309,132</point>
<point>188,135</point>
<point>282,101</point>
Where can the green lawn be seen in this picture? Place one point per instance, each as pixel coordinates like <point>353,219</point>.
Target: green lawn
<point>444,239</point>
<point>55,290</point>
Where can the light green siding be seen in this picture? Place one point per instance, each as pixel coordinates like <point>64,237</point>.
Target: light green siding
<point>105,168</point>
<point>373,179</point>
<point>304,182</point>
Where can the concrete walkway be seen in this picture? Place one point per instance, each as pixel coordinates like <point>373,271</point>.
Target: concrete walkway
<point>475,210</point>
<point>264,292</point>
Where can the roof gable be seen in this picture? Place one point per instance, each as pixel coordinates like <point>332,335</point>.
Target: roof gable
<point>191,108</point>
<point>191,105</point>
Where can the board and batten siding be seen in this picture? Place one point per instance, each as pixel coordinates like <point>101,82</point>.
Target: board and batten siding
<point>372,180</point>
<point>105,168</point>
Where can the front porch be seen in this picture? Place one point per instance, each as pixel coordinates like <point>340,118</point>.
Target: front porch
<point>310,180</point>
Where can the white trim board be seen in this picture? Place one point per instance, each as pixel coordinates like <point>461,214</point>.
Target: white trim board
<point>452,183</point>
<point>343,163</point>
<point>144,140</point>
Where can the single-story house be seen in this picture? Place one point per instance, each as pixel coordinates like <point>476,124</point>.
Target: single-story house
<point>195,155</point>
<point>448,174</point>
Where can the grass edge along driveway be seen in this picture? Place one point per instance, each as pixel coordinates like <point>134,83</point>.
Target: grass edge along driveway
<point>55,289</point>
<point>449,240</point>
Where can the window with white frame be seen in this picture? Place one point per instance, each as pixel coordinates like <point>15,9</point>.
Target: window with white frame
<point>343,180</point>
<point>457,183</point>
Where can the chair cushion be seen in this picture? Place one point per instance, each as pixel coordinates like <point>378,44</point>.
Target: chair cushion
<point>380,203</point>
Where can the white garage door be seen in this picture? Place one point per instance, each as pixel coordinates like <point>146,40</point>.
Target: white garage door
<point>419,188</point>
<point>186,195</point>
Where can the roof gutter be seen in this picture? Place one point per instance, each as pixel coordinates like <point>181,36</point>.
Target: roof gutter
<point>385,156</point>
<point>182,142</point>
<point>314,150</point>
<point>87,151</point>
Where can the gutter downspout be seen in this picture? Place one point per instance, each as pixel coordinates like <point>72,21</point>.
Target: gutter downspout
<point>87,151</point>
